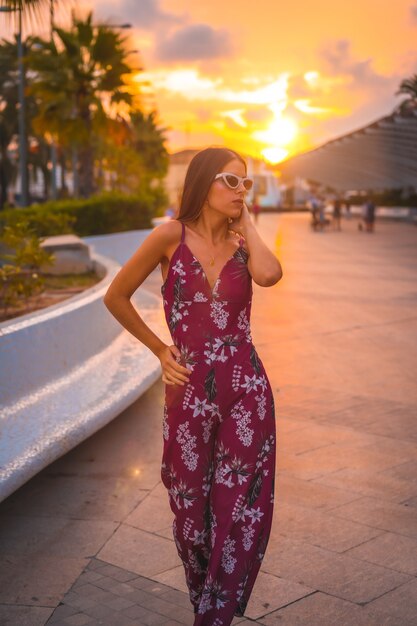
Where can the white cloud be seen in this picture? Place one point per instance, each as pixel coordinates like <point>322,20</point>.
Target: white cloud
<point>194,42</point>
<point>144,14</point>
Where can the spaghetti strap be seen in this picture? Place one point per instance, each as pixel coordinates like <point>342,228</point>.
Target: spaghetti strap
<point>182,232</point>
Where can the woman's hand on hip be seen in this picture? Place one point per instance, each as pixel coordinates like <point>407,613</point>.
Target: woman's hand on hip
<point>172,372</point>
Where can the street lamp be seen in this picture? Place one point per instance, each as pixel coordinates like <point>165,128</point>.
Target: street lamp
<point>22,108</point>
<point>54,193</point>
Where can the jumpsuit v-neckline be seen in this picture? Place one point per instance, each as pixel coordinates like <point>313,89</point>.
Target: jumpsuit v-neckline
<point>219,435</point>
<point>196,260</point>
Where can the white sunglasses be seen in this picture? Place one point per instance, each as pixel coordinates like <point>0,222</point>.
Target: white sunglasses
<point>233,181</point>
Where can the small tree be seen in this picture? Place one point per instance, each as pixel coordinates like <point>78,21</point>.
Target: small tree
<point>21,279</point>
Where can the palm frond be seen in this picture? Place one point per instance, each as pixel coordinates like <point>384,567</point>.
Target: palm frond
<point>408,86</point>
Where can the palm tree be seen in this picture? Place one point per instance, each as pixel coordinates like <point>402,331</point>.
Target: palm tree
<point>9,101</point>
<point>38,156</point>
<point>32,10</point>
<point>8,119</point>
<point>78,82</point>
<point>133,151</point>
<point>29,12</point>
<point>409,87</point>
<point>148,140</point>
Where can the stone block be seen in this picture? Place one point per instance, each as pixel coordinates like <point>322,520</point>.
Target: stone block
<point>72,255</point>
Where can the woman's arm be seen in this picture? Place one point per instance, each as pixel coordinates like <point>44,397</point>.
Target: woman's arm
<point>263,265</point>
<point>125,283</point>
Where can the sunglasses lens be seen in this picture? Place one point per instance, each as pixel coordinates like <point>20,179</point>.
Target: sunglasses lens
<point>232,181</point>
<point>248,183</point>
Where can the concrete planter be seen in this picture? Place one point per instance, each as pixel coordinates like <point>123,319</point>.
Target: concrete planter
<point>65,372</point>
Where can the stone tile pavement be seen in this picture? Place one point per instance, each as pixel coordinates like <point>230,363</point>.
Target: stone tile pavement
<point>105,594</point>
<point>89,540</point>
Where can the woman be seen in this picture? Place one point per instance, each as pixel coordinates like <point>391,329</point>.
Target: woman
<point>255,209</point>
<point>218,460</point>
<point>337,212</point>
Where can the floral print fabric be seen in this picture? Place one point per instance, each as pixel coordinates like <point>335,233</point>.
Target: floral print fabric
<point>219,434</point>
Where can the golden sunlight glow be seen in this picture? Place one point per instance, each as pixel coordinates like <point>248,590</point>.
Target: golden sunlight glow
<point>275,92</point>
<point>326,84</point>
<point>236,116</point>
<point>280,132</point>
<point>186,82</point>
<point>311,78</point>
<point>304,106</point>
<point>192,86</point>
<point>274,155</point>
<point>218,74</point>
<point>256,121</point>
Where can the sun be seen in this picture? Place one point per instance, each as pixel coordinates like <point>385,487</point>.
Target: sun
<point>274,155</point>
<point>281,132</point>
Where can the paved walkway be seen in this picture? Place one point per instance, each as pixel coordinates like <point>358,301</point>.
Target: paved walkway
<point>89,540</point>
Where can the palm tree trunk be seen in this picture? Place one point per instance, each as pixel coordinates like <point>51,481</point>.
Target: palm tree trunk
<point>75,173</point>
<point>86,157</point>
<point>86,171</point>
<point>3,183</point>
<point>63,184</point>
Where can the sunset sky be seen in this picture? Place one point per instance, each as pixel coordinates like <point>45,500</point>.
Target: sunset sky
<point>265,77</point>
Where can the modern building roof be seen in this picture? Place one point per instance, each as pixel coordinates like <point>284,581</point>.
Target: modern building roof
<point>382,155</point>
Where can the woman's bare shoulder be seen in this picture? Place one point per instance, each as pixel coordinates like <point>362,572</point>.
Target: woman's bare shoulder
<point>168,233</point>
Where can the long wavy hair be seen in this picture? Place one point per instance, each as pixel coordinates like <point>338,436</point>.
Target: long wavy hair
<point>200,175</point>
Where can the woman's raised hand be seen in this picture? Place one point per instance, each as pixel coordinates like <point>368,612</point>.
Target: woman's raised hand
<point>172,372</point>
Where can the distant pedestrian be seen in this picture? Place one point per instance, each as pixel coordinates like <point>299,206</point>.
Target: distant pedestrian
<point>337,209</point>
<point>314,208</point>
<point>347,209</point>
<point>255,209</point>
<point>369,216</point>
<point>362,219</point>
<point>322,215</point>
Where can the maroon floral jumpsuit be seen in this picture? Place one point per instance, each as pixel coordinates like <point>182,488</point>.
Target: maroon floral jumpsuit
<point>219,436</point>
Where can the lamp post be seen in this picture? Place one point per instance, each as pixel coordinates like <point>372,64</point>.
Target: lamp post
<point>53,145</point>
<point>23,171</point>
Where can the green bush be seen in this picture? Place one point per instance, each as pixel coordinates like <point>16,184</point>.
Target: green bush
<point>109,212</point>
<point>43,220</point>
<point>21,279</point>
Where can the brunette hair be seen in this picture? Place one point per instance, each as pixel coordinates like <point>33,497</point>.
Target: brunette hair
<point>200,174</point>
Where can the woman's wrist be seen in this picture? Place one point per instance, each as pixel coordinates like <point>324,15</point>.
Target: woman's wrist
<point>158,351</point>
<point>246,227</point>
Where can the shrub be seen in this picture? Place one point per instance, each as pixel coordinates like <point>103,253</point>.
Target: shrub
<point>109,212</point>
<point>20,279</point>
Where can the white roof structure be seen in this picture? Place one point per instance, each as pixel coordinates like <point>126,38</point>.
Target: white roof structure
<point>382,155</point>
